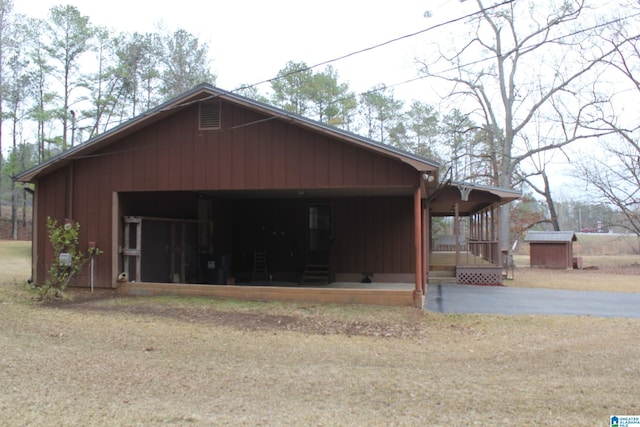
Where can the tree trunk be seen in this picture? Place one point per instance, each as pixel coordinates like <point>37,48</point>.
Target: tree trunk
<point>550,204</point>
<point>504,181</point>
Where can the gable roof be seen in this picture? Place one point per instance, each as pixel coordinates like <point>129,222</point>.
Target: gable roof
<point>550,237</point>
<point>479,197</point>
<point>205,92</point>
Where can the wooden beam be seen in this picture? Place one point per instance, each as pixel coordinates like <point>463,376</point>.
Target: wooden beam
<point>456,232</point>
<point>417,235</point>
<point>426,248</point>
<point>115,232</point>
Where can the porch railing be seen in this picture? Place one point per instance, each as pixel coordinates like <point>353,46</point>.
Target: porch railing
<point>489,250</point>
<point>447,243</point>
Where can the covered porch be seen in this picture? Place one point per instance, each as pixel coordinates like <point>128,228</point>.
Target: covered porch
<point>355,274</point>
<point>467,249</point>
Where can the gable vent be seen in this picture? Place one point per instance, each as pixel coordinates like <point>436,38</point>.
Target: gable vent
<point>210,115</point>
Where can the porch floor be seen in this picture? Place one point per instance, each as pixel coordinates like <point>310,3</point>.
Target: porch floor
<point>393,294</point>
<point>376,293</point>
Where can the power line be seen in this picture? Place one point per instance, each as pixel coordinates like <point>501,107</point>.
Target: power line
<point>556,39</point>
<point>431,28</point>
<point>379,45</point>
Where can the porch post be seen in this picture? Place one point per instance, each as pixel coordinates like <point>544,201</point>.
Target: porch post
<point>456,232</point>
<point>426,250</point>
<point>498,236</point>
<point>417,236</point>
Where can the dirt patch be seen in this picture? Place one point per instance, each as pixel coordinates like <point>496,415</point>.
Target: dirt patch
<point>305,320</point>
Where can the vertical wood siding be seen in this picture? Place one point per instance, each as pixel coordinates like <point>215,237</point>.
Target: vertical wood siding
<point>551,255</point>
<point>373,235</point>
<point>247,153</point>
<point>174,155</point>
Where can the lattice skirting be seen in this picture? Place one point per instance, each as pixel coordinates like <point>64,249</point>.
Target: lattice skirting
<point>477,275</point>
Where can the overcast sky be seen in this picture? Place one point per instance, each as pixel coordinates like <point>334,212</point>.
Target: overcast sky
<point>251,40</point>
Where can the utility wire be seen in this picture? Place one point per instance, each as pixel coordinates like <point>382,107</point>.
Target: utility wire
<point>559,38</point>
<point>431,28</point>
<point>357,52</point>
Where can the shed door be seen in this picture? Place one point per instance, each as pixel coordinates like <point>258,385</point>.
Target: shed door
<point>319,234</point>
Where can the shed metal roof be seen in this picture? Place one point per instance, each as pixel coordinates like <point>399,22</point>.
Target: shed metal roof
<point>550,237</point>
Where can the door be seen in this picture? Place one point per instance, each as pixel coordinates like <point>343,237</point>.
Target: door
<point>319,234</point>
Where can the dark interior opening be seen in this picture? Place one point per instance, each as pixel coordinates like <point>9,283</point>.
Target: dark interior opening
<point>189,237</point>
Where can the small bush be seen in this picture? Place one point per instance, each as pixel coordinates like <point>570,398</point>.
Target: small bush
<point>65,240</point>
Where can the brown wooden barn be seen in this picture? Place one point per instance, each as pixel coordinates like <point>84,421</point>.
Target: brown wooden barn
<point>551,249</point>
<point>211,192</point>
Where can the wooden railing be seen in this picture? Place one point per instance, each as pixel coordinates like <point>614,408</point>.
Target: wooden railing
<point>447,243</point>
<point>488,250</point>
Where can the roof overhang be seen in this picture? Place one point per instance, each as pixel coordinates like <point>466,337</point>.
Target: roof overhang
<point>443,200</point>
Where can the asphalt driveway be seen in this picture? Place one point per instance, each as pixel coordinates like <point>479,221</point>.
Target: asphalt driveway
<point>504,300</point>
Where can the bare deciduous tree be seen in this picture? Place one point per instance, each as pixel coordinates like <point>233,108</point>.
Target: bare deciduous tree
<point>612,172</point>
<point>521,62</point>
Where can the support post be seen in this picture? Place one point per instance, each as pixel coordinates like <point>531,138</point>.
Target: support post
<point>417,235</point>
<point>426,250</point>
<point>456,232</point>
<point>498,237</point>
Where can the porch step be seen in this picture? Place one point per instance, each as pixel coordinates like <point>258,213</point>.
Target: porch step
<point>316,273</point>
<point>441,275</point>
<point>441,280</point>
<point>442,270</point>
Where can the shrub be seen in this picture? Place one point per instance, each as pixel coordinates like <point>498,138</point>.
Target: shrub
<point>64,239</point>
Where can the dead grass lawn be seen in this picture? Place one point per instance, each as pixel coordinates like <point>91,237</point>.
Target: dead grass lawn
<point>611,274</point>
<point>106,360</point>
<point>201,362</point>
<point>15,260</point>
